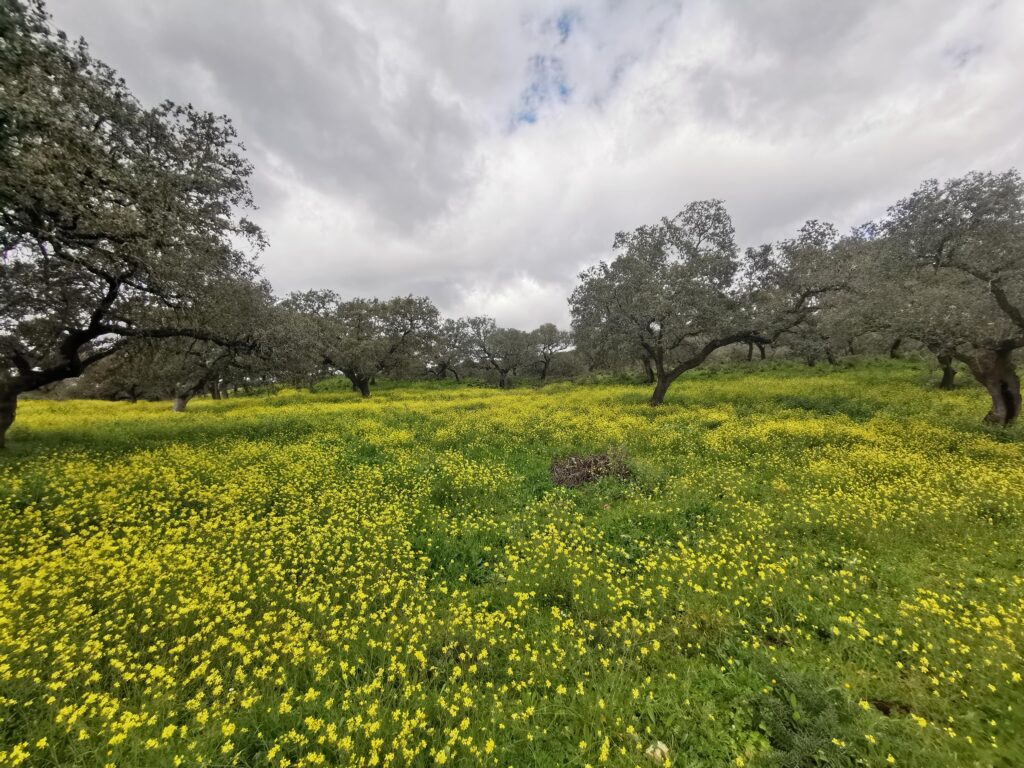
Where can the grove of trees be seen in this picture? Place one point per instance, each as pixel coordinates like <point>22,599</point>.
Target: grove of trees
<point>129,263</point>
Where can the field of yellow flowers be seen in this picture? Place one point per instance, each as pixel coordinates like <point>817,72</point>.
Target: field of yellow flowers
<point>805,568</point>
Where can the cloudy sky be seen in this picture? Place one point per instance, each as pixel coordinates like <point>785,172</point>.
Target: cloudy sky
<point>482,153</point>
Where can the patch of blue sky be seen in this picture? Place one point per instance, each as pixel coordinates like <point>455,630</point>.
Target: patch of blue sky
<point>564,24</point>
<point>547,84</point>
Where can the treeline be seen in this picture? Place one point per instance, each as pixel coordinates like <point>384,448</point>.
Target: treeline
<point>311,336</point>
<point>128,257</point>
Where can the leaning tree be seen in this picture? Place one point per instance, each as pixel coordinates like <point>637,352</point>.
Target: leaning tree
<point>953,277</point>
<point>116,221</point>
<point>679,290</point>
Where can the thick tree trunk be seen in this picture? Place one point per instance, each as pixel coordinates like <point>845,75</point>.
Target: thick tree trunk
<point>214,391</point>
<point>648,369</point>
<point>503,379</point>
<point>994,370</point>
<point>948,372</point>
<point>894,349</point>
<point>829,355</point>
<point>658,396</point>
<point>360,383</point>
<point>8,409</point>
<point>180,403</point>
<point>544,370</point>
<point>760,348</point>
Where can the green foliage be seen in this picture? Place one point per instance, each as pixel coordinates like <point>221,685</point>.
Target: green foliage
<point>117,221</point>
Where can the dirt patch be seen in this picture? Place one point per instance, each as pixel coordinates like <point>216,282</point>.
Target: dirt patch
<point>890,708</point>
<point>572,471</point>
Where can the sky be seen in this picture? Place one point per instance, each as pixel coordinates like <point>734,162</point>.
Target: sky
<point>483,153</point>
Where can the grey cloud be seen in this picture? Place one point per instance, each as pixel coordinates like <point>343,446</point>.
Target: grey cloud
<point>306,83</point>
<point>386,164</point>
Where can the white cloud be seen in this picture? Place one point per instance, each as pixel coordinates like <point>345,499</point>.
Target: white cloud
<point>389,158</point>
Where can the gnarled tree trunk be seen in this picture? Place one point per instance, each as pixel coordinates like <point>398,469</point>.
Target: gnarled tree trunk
<point>8,409</point>
<point>658,396</point>
<point>360,383</point>
<point>663,380</point>
<point>994,370</point>
<point>183,393</point>
<point>503,379</point>
<point>894,349</point>
<point>665,376</point>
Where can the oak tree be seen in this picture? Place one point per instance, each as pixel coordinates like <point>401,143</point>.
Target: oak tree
<point>116,221</point>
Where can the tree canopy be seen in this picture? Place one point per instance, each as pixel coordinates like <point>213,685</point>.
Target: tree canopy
<point>679,290</point>
<point>116,220</point>
<point>953,269</point>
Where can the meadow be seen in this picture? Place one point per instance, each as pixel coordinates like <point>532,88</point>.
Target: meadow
<point>806,567</point>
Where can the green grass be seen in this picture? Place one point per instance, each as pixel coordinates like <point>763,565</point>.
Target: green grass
<point>808,567</point>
